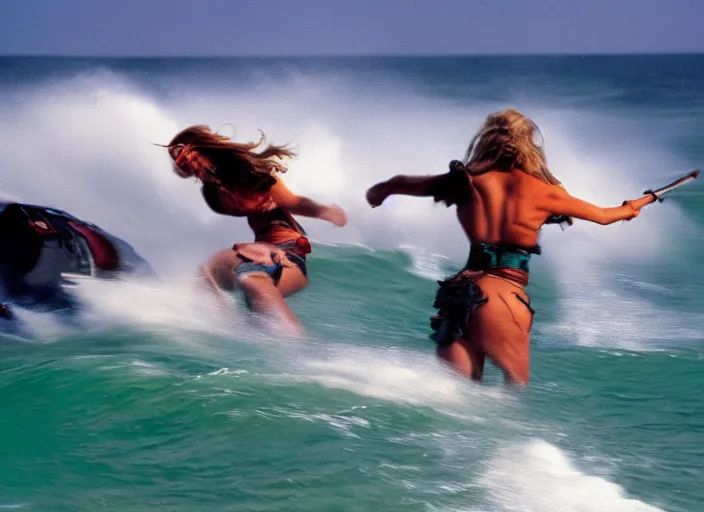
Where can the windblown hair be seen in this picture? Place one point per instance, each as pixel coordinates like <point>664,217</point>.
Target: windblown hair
<point>233,163</point>
<point>508,140</point>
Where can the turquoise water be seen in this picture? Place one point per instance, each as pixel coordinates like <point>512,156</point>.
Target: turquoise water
<point>153,397</point>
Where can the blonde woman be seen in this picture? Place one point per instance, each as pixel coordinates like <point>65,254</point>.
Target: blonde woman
<point>504,194</point>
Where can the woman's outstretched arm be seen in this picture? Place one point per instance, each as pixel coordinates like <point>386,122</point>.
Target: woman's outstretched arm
<point>449,187</point>
<point>301,205</point>
<point>559,202</point>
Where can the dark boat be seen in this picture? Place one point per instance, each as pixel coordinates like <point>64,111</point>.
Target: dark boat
<point>42,250</point>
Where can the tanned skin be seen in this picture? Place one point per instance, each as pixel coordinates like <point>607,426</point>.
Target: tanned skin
<point>503,207</point>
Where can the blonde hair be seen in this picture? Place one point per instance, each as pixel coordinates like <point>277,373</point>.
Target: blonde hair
<point>508,140</point>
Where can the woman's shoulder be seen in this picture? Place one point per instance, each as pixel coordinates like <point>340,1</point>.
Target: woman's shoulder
<point>453,187</point>
<point>534,183</point>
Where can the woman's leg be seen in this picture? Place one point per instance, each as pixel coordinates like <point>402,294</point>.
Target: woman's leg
<point>292,281</point>
<point>464,358</point>
<point>501,328</point>
<point>219,270</point>
<point>261,294</point>
<point>264,297</point>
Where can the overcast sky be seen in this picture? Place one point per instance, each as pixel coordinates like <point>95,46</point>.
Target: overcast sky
<point>348,27</point>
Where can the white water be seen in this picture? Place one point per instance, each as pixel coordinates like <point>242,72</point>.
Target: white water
<point>536,476</point>
<point>83,144</point>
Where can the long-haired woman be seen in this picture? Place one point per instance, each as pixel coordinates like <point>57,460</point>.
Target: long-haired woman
<point>504,194</point>
<point>240,179</point>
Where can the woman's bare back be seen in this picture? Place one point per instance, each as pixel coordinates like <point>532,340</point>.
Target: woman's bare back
<point>504,208</point>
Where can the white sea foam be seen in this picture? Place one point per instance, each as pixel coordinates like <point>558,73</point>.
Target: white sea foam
<point>401,376</point>
<point>83,144</point>
<point>539,477</point>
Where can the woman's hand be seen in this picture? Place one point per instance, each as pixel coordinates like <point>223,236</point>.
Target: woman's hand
<point>634,210</point>
<point>637,204</point>
<point>641,202</point>
<point>377,194</point>
<point>335,215</point>
<point>632,215</point>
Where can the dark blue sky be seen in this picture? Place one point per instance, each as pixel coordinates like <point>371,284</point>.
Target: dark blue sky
<point>349,27</point>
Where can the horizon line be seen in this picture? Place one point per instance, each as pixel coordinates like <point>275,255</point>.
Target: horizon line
<point>353,55</point>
